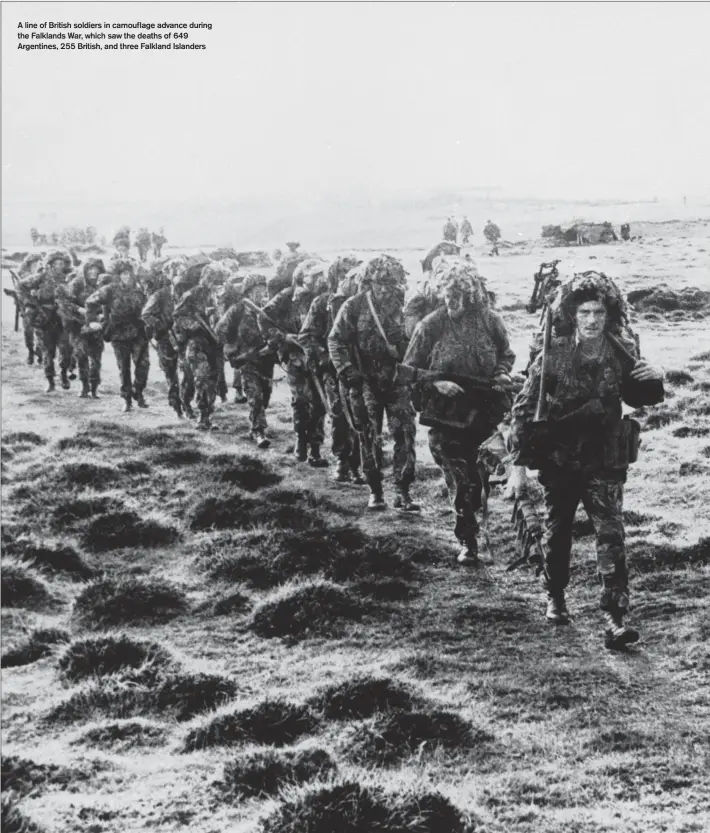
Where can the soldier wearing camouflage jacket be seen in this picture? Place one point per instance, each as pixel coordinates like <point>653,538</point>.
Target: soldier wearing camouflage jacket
<point>157,316</point>
<point>366,359</point>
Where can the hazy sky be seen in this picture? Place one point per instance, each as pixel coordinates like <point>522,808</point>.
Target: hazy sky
<point>565,100</point>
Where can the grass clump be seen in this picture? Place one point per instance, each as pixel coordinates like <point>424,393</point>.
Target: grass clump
<point>130,601</point>
<point>271,722</point>
<point>234,510</point>
<point>27,777</point>
<point>115,530</point>
<point>649,557</point>
<point>679,377</point>
<point>79,443</point>
<point>363,697</point>
<point>349,807</point>
<point>101,655</point>
<point>23,438</point>
<point>263,772</point>
<point>395,735</point>
<point>89,475</point>
<point>69,513</point>
<point>37,646</point>
<point>245,471</point>
<point>178,456</point>
<point>13,820</point>
<point>312,608</point>
<point>123,734</point>
<point>227,604</point>
<point>64,560</point>
<point>21,588</point>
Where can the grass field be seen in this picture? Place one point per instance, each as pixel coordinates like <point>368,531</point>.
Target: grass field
<point>200,636</point>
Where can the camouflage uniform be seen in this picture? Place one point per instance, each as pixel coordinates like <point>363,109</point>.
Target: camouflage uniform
<point>466,230</point>
<point>143,242</point>
<point>492,234</point>
<point>122,305</point>
<point>29,266</point>
<point>38,294</point>
<point>158,241</point>
<point>356,344</point>
<point>474,344</point>
<point>157,316</point>
<point>450,230</point>
<point>199,353</point>
<point>87,345</point>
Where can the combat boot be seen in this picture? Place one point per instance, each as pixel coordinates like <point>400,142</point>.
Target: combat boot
<point>239,398</point>
<point>30,357</point>
<point>468,554</point>
<point>315,460</point>
<point>140,401</point>
<point>187,408</point>
<point>66,384</point>
<point>404,502</point>
<point>204,424</point>
<point>301,450</point>
<point>618,635</point>
<point>376,503</point>
<point>127,404</point>
<point>342,472</point>
<point>84,393</point>
<point>261,439</point>
<point>556,608</point>
<point>177,407</point>
<point>357,477</point>
<point>95,390</point>
<point>50,386</point>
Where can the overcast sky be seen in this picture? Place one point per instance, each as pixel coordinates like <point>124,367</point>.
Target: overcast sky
<point>555,100</point>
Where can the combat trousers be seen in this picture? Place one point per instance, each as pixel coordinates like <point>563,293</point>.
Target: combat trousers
<point>308,410</point>
<point>135,350</point>
<point>396,402</point>
<point>29,333</point>
<point>200,366</point>
<point>221,378</point>
<point>344,441</point>
<point>237,382</point>
<point>88,351</point>
<point>257,387</point>
<point>602,495</point>
<point>168,359</point>
<point>456,454</point>
<point>55,338</point>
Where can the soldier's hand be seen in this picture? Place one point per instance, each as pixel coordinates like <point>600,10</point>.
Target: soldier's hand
<point>502,380</point>
<point>448,388</point>
<point>645,372</point>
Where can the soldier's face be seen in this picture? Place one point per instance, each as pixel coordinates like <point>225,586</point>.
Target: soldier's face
<point>125,278</point>
<point>57,268</point>
<point>591,319</point>
<point>93,273</point>
<point>258,295</point>
<point>457,299</point>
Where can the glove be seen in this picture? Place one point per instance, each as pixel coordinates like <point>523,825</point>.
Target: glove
<point>448,388</point>
<point>352,378</point>
<point>502,380</point>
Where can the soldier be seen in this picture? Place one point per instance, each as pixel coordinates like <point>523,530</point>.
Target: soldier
<point>158,240</point>
<point>143,242</point>
<point>86,340</point>
<point>29,266</point>
<point>314,337</point>
<point>246,349</point>
<point>450,230</point>
<point>587,445</point>
<point>465,345</point>
<point>121,301</point>
<point>625,231</point>
<point>157,316</point>
<point>199,347</point>
<point>492,234</point>
<point>466,231</point>
<point>282,321</point>
<point>38,294</point>
<point>365,344</point>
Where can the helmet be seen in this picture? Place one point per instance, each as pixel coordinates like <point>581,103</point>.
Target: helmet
<point>458,270</point>
<point>124,265</point>
<point>214,273</point>
<point>384,269</point>
<point>93,261</point>
<point>339,268</point>
<point>58,254</point>
<point>252,280</point>
<point>589,286</point>
<point>309,267</point>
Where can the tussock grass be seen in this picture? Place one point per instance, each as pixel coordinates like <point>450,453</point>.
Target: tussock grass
<point>27,777</point>
<point>63,560</point>
<point>234,602</point>
<point>245,471</point>
<point>701,357</point>
<point>316,608</point>
<point>349,807</point>
<point>69,513</point>
<point>88,475</point>
<point>362,697</point>
<point>23,438</point>
<point>78,443</point>
<point>180,695</point>
<point>116,530</point>
<point>233,510</point>
<point>131,601</point>
<point>263,772</point>
<point>20,587</point>
<point>679,377</point>
<point>101,655</point>
<point>271,722</point>
<point>40,644</point>
<point>691,431</point>
<point>177,457</point>
<point>135,467</point>
<point>123,735</point>
<point>647,557</point>
<point>14,820</point>
<point>633,518</point>
<point>392,736</point>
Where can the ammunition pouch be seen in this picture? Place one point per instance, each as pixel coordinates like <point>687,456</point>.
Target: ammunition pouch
<point>631,434</point>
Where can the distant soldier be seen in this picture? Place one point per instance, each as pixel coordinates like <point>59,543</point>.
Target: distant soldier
<point>464,346</point>
<point>625,232</point>
<point>143,242</point>
<point>157,316</point>
<point>158,240</point>
<point>121,303</point>
<point>492,234</point>
<point>466,231</point>
<point>214,276</point>
<point>365,344</point>
<point>86,339</point>
<point>246,350</point>
<point>30,266</point>
<point>38,294</point>
<point>450,230</point>
<point>34,236</point>
<point>587,445</point>
<point>314,337</point>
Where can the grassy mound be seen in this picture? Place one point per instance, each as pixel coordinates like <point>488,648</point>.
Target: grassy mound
<point>235,602</point>
<point>130,601</point>
<point>312,608</point>
<point>21,588</point>
<point>13,820</point>
<point>135,467</point>
<point>176,694</point>
<point>69,513</point>
<point>649,557</point>
<point>26,777</point>
<point>89,475</point>
<point>245,471</point>
<point>234,510</point>
<point>38,645</point>
<point>395,735</point>
<point>363,697</point>
<point>101,655</point>
<point>272,722</point>
<point>679,377</point>
<point>349,807</point>
<point>23,438</point>
<point>263,772</point>
<point>125,734</point>
<point>115,530</point>
<point>177,457</point>
<point>78,443</point>
<point>63,560</point>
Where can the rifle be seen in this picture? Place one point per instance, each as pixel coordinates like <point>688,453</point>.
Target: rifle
<point>408,375</point>
<point>542,279</point>
<point>528,531</point>
<point>14,294</point>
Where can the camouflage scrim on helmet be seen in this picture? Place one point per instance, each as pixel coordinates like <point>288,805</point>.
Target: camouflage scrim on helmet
<point>450,270</point>
<point>58,254</point>
<point>311,267</point>
<point>252,280</point>
<point>339,269</point>
<point>93,263</point>
<point>384,269</point>
<point>589,286</point>
<point>214,274</point>
<point>350,284</point>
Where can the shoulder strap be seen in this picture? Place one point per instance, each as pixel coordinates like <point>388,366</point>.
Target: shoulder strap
<point>370,304</point>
